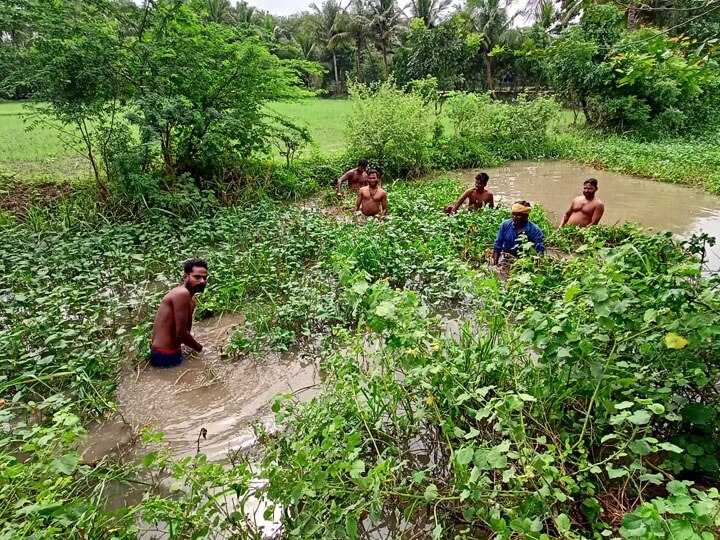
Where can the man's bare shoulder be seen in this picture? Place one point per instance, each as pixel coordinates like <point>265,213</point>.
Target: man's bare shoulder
<point>177,294</point>
<point>364,190</point>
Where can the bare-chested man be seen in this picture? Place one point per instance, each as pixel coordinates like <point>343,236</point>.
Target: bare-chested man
<point>586,209</point>
<point>173,320</point>
<point>372,199</point>
<point>355,178</point>
<point>477,196</point>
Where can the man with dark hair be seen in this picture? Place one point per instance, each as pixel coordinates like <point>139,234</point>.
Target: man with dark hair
<point>355,178</point>
<point>511,229</point>
<point>477,196</point>
<point>586,209</point>
<point>173,320</point>
<point>372,199</point>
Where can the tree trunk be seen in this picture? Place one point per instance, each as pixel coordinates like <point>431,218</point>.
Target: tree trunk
<point>337,75</point>
<point>633,16</point>
<point>385,59</point>
<point>358,61</point>
<point>489,77</point>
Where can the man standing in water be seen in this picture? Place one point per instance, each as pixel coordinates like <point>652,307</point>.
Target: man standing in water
<point>355,178</point>
<point>372,199</point>
<point>477,196</point>
<point>586,209</point>
<point>173,320</point>
<point>511,229</point>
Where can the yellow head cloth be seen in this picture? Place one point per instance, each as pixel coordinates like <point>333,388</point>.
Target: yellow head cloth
<point>518,208</point>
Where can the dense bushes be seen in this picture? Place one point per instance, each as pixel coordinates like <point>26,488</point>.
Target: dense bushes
<point>640,82</point>
<point>391,127</point>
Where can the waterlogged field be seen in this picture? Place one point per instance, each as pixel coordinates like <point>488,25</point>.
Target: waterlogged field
<point>579,399</point>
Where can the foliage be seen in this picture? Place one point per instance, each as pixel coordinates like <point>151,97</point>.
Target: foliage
<point>641,82</point>
<point>472,435</point>
<point>508,130</point>
<point>389,127</point>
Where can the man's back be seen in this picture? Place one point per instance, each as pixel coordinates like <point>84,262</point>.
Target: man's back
<point>164,331</point>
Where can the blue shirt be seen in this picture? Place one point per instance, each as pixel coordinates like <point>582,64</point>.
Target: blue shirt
<point>507,238</point>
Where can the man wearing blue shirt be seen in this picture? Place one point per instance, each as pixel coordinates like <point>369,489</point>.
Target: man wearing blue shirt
<point>507,240</point>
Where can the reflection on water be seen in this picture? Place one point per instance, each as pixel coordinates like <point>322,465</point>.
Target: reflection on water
<point>656,205</point>
<point>222,395</point>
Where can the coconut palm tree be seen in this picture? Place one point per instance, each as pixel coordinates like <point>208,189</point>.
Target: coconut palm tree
<point>429,11</point>
<point>327,25</point>
<point>387,23</point>
<point>220,11</point>
<point>490,19</point>
<point>355,31</point>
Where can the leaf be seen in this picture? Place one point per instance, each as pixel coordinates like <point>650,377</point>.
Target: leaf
<point>670,447</point>
<point>639,418</point>
<point>697,414</point>
<point>571,292</point>
<point>66,464</point>
<point>357,468</point>
<point>464,455</point>
<point>385,309</point>
<point>562,522</point>
<point>650,315</point>
<point>641,448</point>
<point>431,492</point>
<point>614,473</point>
<point>624,405</point>
<point>674,341</point>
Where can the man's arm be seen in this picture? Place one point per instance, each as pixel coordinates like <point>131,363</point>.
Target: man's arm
<point>598,214</point>
<point>340,181</point>
<point>567,215</point>
<point>358,202</point>
<point>181,308</point>
<point>383,205</point>
<point>491,202</point>
<point>461,200</point>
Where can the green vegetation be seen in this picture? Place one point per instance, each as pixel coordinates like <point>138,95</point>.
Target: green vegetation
<point>577,399</point>
<point>509,449</point>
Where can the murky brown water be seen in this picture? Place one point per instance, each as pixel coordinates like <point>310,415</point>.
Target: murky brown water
<point>224,396</point>
<point>656,205</point>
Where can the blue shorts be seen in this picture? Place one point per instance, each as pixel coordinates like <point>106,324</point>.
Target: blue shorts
<point>165,358</point>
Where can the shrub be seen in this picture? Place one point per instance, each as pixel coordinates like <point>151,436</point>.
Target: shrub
<point>391,127</point>
<point>514,130</point>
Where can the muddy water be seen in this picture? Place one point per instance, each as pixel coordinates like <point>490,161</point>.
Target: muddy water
<point>655,205</point>
<point>224,396</point>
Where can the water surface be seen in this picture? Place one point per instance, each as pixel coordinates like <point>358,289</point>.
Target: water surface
<point>651,204</point>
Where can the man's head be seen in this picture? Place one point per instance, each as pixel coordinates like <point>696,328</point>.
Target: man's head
<point>590,186</point>
<point>481,181</point>
<point>373,178</point>
<point>520,212</point>
<point>196,275</point>
<point>362,165</point>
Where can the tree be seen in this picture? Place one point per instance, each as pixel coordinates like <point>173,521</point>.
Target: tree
<point>387,23</point>
<point>355,31</point>
<point>430,11</point>
<point>328,25</point>
<point>489,18</point>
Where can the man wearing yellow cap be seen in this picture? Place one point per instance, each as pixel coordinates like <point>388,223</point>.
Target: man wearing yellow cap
<point>507,238</point>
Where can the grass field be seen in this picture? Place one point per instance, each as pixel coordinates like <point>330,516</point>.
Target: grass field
<point>40,155</point>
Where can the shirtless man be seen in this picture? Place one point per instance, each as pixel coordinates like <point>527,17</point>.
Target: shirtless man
<point>355,178</point>
<point>372,199</point>
<point>477,196</point>
<point>173,320</point>
<point>586,209</point>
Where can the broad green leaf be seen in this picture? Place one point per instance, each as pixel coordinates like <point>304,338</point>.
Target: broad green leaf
<point>674,341</point>
<point>464,455</point>
<point>639,418</point>
<point>562,522</point>
<point>431,492</point>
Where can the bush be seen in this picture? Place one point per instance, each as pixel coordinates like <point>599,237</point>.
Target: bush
<point>517,130</point>
<point>391,127</point>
